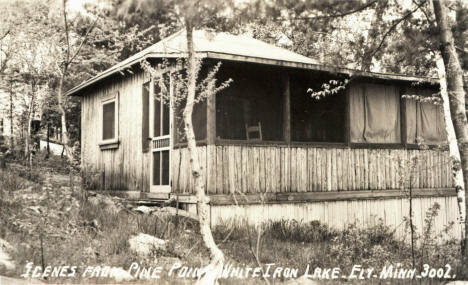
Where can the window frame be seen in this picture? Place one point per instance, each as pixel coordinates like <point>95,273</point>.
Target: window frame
<point>113,142</point>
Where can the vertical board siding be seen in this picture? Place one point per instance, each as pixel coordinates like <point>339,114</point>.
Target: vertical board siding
<point>339,214</point>
<point>246,168</point>
<point>262,169</point>
<point>126,167</point>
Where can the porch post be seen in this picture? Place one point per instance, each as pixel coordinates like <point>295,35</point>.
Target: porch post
<point>211,120</point>
<point>286,94</point>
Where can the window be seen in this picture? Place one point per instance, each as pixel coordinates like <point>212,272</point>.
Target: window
<point>110,119</point>
<point>374,113</point>
<point>1,127</point>
<point>316,120</point>
<point>108,126</point>
<point>424,120</point>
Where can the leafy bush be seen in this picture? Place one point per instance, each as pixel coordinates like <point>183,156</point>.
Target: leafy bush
<point>293,243</point>
<point>297,231</point>
<point>90,180</point>
<point>11,181</point>
<point>55,163</point>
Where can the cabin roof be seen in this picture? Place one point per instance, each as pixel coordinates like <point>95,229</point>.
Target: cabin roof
<point>224,46</point>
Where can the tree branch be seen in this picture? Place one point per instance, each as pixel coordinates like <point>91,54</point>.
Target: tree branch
<point>339,15</point>
<point>66,29</point>
<point>4,35</point>
<point>83,40</point>
<point>395,24</point>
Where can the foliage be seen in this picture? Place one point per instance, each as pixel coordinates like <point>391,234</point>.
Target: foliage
<point>80,229</point>
<point>83,230</point>
<point>293,243</point>
<point>34,30</point>
<point>297,231</point>
<point>332,87</point>
<point>207,84</point>
<point>385,36</point>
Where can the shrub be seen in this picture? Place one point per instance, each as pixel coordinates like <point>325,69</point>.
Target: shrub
<point>90,180</point>
<point>298,231</point>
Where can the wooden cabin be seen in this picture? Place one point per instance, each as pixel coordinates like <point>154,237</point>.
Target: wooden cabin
<point>269,150</point>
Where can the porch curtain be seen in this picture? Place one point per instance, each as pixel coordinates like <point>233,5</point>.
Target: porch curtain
<point>424,121</point>
<point>375,116</point>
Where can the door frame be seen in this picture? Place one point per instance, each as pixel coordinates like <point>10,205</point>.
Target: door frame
<point>154,140</point>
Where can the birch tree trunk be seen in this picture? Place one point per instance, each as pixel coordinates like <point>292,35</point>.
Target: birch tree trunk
<point>456,94</point>
<point>457,174</point>
<point>11,117</point>
<point>63,118</point>
<point>27,150</point>
<point>214,269</point>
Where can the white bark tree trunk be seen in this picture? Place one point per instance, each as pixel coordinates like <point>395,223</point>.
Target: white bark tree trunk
<point>456,95</point>
<point>27,150</point>
<point>214,269</point>
<point>63,119</point>
<point>457,174</point>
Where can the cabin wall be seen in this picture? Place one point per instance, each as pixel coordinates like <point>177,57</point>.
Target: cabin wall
<point>279,168</point>
<point>125,167</point>
<point>339,214</point>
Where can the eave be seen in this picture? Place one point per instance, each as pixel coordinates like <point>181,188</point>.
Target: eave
<point>120,68</point>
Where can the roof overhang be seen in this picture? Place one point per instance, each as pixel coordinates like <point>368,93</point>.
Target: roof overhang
<point>120,68</point>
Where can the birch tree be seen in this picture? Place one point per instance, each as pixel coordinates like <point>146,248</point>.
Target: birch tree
<point>452,140</point>
<point>87,44</point>
<point>193,16</point>
<point>456,95</point>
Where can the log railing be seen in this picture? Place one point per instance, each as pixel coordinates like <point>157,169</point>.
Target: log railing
<point>272,169</point>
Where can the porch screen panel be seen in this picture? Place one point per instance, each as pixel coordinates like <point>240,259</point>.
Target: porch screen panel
<point>165,119</point>
<point>431,126</point>
<point>157,168</point>
<point>316,120</point>
<point>375,114</point>
<point>356,109</point>
<point>198,121</point>
<point>161,167</point>
<point>165,167</point>
<point>411,120</point>
<point>425,121</point>
<point>157,111</point>
<point>252,99</point>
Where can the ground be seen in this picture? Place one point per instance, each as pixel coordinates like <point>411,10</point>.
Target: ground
<point>48,219</point>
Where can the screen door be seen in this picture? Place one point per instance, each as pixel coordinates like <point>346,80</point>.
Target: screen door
<point>161,140</point>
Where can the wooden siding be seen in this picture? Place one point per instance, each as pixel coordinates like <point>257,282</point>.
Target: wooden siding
<point>263,169</point>
<point>339,214</point>
<point>125,167</point>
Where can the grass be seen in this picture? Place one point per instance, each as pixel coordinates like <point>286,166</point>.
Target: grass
<point>295,244</point>
<point>69,228</point>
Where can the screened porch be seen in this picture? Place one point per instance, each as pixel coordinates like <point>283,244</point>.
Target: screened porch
<point>266,134</point>
<point>272,105</point>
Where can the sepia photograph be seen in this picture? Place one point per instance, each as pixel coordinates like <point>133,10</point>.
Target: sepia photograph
<point>212,142</point>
